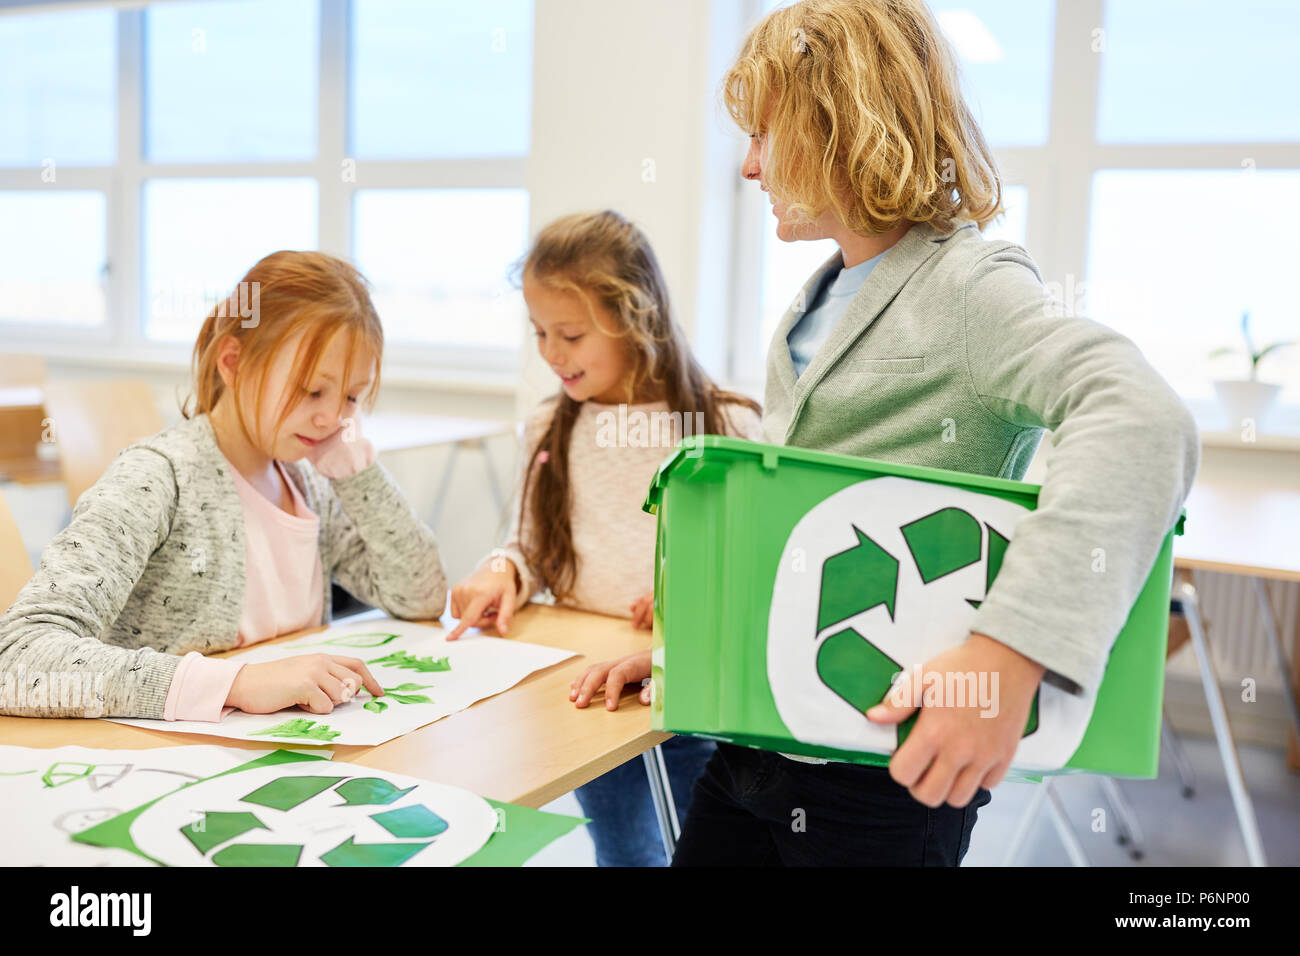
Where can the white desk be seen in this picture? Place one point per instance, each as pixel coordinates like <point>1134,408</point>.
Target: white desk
<point>393,432</point>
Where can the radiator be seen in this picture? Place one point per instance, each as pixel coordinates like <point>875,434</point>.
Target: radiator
<point>1238,643</point>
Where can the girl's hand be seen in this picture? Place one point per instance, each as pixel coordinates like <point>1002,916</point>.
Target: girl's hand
<point>315,682</point>
<point>486,597</point>
<point>614,675</point>
<point>344,453</point>
<point>643,611</point>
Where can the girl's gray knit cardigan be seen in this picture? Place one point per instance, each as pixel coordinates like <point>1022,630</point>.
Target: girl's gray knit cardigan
<point>152,567</point>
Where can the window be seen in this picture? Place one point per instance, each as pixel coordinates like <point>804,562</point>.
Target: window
<point>202,235</point>
<point>1179,300</point>
<point>53,266</point>
<point>440,252</point>
<point>391,132</point>
<point>230,81</point>
<point>1199,71</point>
<point>402,109</point>
<point>57,89</point>
<point>1005,49</point>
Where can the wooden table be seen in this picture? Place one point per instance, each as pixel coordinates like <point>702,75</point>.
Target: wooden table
<point>527,745</point>
<point>22,418</point>
<point>1242,527</point>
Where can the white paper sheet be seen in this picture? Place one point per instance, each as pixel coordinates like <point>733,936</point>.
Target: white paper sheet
<point>50,794</point>
<point>315,814</point>
<point>407,659</point>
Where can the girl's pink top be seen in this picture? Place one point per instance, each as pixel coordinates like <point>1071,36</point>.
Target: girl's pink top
<point>282,593</point>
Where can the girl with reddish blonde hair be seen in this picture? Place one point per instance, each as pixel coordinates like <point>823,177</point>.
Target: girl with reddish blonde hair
<point>228,528</point>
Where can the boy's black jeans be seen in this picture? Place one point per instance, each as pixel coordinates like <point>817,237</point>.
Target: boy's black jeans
<point>757,808</point>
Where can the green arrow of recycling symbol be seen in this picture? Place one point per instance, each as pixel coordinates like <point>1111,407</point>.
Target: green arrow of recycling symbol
<point>285,793</point>
<point>866,576</point>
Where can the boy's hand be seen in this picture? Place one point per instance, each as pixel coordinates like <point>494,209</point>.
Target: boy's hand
<point>953,751</point>
<point>643,611</point>
<point>486,597</point>
<point>615,675</point>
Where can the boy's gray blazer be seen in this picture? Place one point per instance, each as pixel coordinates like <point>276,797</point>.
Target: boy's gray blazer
<point>152,567</point>
<point>953,355</point>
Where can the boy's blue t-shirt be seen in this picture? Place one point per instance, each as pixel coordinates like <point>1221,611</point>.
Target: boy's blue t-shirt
<point>829,303</point>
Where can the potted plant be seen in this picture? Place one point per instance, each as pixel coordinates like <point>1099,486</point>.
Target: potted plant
<point>1247,398</point>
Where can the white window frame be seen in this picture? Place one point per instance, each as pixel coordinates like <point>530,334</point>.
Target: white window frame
<point>121,337</point>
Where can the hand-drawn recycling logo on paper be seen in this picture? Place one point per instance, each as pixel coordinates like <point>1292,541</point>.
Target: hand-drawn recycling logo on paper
<point>880,578</point>
<point>314,815</point>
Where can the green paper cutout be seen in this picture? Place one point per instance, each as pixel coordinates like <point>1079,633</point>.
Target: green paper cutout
<point>360,791</point>
<point>943,542</point>
<point>116,832</point>
<point>298,727</point>
<point>218,827</point>
<point>66,776</point>
<point>349,853</point>
<point>378,706</point>
<point>287,792</point>
<point>416,821</point>
<point>258,854</point>
<point>404,661</point>
<point>855,669</point>
<point>857,580</point>
<point>375,639</point>
<point>997,550</point>
<point>522,831</point>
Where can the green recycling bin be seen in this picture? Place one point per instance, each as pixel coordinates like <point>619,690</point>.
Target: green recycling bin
<point>791,586</point>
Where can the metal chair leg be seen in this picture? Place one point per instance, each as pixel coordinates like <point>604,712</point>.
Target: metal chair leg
<point>1130,833</point>
<point>1183,766</point>
<point>1063,829</point>
<point>1027,819</point>
<point>1185,594</point>
<point>444,485</point>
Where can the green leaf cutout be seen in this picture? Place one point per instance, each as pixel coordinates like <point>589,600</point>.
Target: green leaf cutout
<point>376,639</point>
<point>404,661</point>
<point>298,727</point>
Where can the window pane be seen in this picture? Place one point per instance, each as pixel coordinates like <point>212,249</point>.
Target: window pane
<point>202,235</point>
<point>1005,48</point>
<point>231,81</point>
<point>1177,286</point>
<point>1177,71</point>
<point>58,88</point>
<point>53,257</point>
<point>441,79</point>
<point>1012,224</point>
<point>439,261</point>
